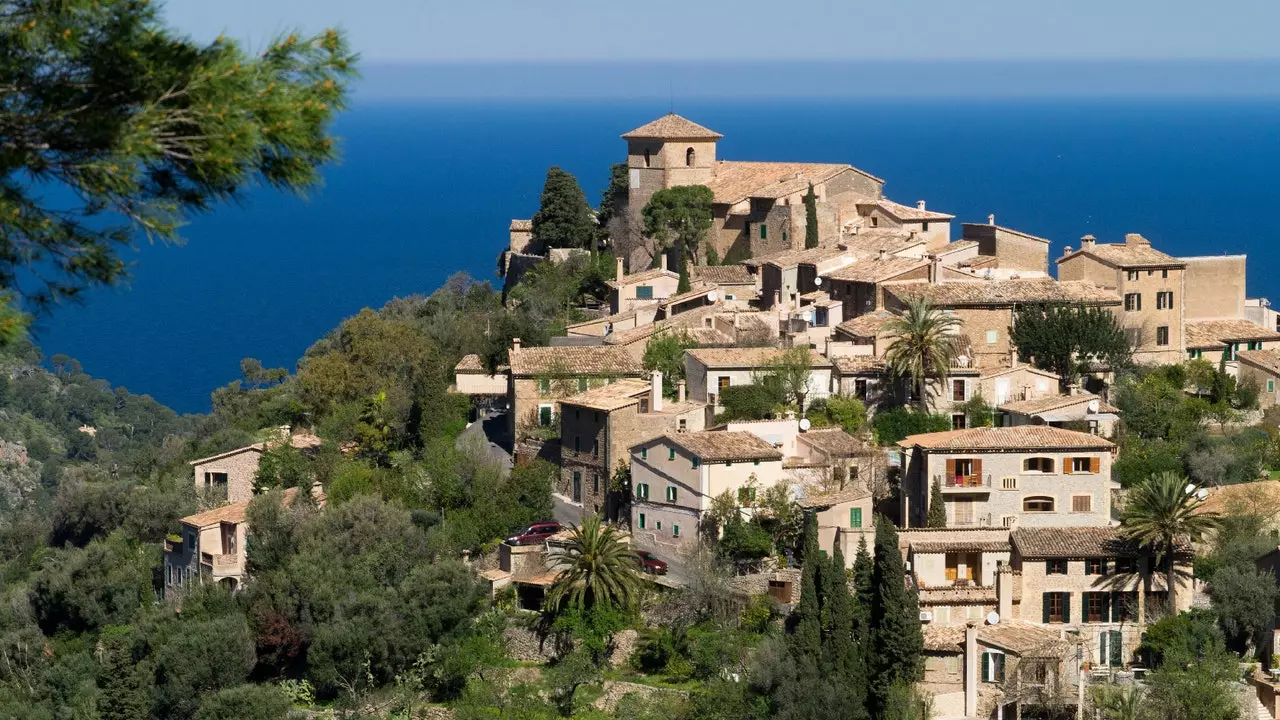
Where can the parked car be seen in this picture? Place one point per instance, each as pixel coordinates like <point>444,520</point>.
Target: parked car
<point>535,533</point>
<point>650,563</point>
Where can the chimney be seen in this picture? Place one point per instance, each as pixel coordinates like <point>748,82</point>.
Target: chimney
<point>919,204</point>
<point>935,270</point>
<point>1004,592</point>
<point>1087,242</point>
<point>655,391</point>
<point>680,390</point>
<point>991,219</point>
<point>617,276</point>
<point>1066,251</point>
<point>1013,357</point>
<point>663,260</point>
<point>884,254</point>
<point>971,669</point>
<point>515,342</point>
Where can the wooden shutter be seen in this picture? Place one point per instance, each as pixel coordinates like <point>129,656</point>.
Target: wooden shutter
<point>977,467</point>
<point>1103,653</point>
<point>987,670</point>
<point>1045,597</point>
<point>1066,607</point>
<point>1117,648</point>
<point>1066,465</point>
<point>951,468</point>
<point>1093,464</point>
<point>1117,606</point>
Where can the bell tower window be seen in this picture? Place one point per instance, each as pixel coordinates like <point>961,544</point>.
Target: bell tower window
<point>689,156</point>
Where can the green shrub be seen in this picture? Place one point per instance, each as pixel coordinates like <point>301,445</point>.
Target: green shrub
<point>892,425</point>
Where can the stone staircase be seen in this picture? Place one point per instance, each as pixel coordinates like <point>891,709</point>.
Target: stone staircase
<point>1251,707</point>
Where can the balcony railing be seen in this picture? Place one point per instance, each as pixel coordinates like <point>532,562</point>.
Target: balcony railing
<point>976,520</point>
<point>963,482</point>
<point>228,563</point>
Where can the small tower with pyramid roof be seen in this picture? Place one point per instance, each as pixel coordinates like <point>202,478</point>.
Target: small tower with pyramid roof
<point>667,152</point>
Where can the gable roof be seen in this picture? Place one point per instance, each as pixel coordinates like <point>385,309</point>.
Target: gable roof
<point>1075,542</point>
<point>642,276</point>
<point>1054,402</point>
<point>672,127</point>
<point>809,256</point>
<point>1268,360</point>
<point>735,180</point>
<point>1022,437</point>
<point>1008,292</point>
<point>235,512</point>
<point>859,365</point>
<point>868,325</point>
<point>998,371</point>
<point>1014,636</point>
<point>1134,252</point>
<point>300,440</point>
<point>717,445</point>
<point>599,360</point>
<point>521,225</point>
<point>470,364</point>
<point>746,357</point>
<point>966,226</point>
<point>868,241</point>
<point>833,441</point>
<point>852,493</point>
<point>722,274</point>
<point>689,322</point>
<point>610,397</point>
<point>908,212</point>
<point>1214,334</point>
<point>876,270</point>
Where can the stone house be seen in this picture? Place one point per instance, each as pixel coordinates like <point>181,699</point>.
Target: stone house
<point>710,370</point>
<point>706,325</point>
<point>675,477</point>
<point>627,292</point>
<point>1027,476</point>
<point>211,546</point>
<point>600,327</point>
<point>844,517</point>
<point>1221,341</point>
<point>934,228</point>
<point>955,571</point>
<point>1262,369</point>
<point>1057,411</point>
<point>736,282</point>
<point>541,376</point>
<point>600,426</point>
<point>229,476</point>
<point>1150,284</point>
<point>471,377</point>
<point>986,308</point>
<point>758,207</point>
<point>1011,249</point>
<point>785,276</point>
<point>859,285</point>
<point>1019,381</point>
<point>1215,287</point>
<point>866,335</point>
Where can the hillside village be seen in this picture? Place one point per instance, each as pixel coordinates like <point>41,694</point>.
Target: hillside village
<point>1001,488</point>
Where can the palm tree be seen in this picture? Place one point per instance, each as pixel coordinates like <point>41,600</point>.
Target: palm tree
<point>1162,513</point>
<point>596,568</point>
<point>925,346</point>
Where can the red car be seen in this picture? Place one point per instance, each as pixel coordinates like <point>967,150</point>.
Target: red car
<point>535,533</point>
<point>650,563</point>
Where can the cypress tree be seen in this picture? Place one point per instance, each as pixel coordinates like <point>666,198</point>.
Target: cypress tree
<point>811,219</point>
<point>806,619</point>
<point>124,694</point>
<point>937,517</point>
<point>839,650</point>
<point>897,641</point>
<point>564,218</point>
<point>683,285</point>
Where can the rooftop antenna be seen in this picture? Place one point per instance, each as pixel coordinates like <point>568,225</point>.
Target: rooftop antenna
<point>671,88</point>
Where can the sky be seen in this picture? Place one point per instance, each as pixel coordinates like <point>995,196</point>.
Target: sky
<point>412,31</point>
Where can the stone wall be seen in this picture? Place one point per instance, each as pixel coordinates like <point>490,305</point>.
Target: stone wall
<point>240,469</point>
<point>1215,287</point>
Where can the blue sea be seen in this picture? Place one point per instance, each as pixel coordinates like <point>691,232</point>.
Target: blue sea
<point>427,188</point>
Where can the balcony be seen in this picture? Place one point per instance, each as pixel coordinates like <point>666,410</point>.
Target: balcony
<point>974,520</point>
<point>224,565</point>
<point>960,483</point>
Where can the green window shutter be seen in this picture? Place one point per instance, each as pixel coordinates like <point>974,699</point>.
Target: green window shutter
<point>1046,597</point>
<point>544,415</point>
<point>1103,654</point>
<point>644,292</point>
<point>764,233</point>
<point>644,453</point>
<point>1271,386</point>
<point>855,517</point>
<point>671,453</point>
<point>1117,606</point>
<point>986,667</point>
<point>1117,648</point>
<point>1066,607</point>
<point>999,658</point>
<point>641,521</point>
<point>675,531</point>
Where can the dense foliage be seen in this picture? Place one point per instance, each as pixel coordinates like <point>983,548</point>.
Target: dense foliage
<point>1069,340</point>
<point>564,219</point>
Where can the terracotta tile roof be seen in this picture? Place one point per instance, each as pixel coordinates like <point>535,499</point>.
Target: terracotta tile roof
<point>1268,360</point>
<point>996,372</point>
<point>299,440</point>
<point>833,441</point>
<point>958,539</point>
<point>858,365</point>
<point>1212,334</point>
<point>714,445</point>
<point>642,276</point>
<point>1014,636</point>
<point>610,397</point>
<point>956,595</point>
<point>672,127</point>
<point>624,315</point>
<point>1076,542</point>
<point>1023,437</point>
<point>470,364</point>
<point>735,181</point>
<point>818,499</point>
<point>722,274</point>
<point>1260,498</point>
<point>1009,292</point>
<point>818,298</point>
<point>697,290</point>
<point>943,638</point>
<point>870,241</point>
<point>909,212</point>
<point>961,546</point>
<point>868,325</point>
<point>1137,253</point>
<point>791,258</point>
<point>876,270</point>
<point>711,337</point>
<point>747,357</point>
<point>601,360</point>
<point>520,225</point>
<point>233,513</point>
<point>494,575</point>
<point>957,246</point>
<point>1054,402</point>
<point>688,322</point>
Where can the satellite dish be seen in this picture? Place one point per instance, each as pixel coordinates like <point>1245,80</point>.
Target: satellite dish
<point>1094,406</point>
<point>711,296</point>
<point>1189,489</point>
<point>993,618</point>
<point>805,424</point>
<point>817,281</point>
<point>1202,493</point>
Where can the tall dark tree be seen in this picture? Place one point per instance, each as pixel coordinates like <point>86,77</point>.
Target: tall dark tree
<point>124,693</point>
<point>679,217</point>
<point>811,219</point>
<point>806,640</point>
<point>1069,339</point>
<point>838,648</point>
<point>564,218</point>
<point>897,642</point>
<point>937,517</point>
<point>615,195</point>
<point>144,126</point>
<point>863,597</point>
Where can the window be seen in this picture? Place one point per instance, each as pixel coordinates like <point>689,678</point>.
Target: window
<point>695,463</point>
<point>1055,566</point>
<point>646,157</point>
<point>784,236</point>
<point>671,494</point>
<point>215,479</point>
<point>1084,465</point>
<point>689,156</point>
<point>675,531</point>
<point>595,483</point>
<point>1164,300</point>
<point>722,382</point>
<point>658,525</point>
<point>544,415</point>
<point>1095,566</point>
<point>1097,607</point>
<point>1271,385</point>
<point>992,337</point>
<point>957,390</point>
<point>855,517</point>
<point>1255,345</point>
<point>644,292</point>
<point>1009,482</point>
<point>1195,354</point>
<point>168,572</point>
<point>764,232</point>
<point>1125,565</point>
<point>544,385</point>
<point>1133,301</point>
<point>1008,521</point>
<point>958,421</point>
<point>1131,275</point>
<point>924,227</point>
<point>671,454</point>
<point>595,447</point>
<point>1162,335</point>
<point>992,666</point>
<point>1057,607</point>
<point>860,388</point>
<point>644,453</point>
<point>642,491</point>
<point>1111,648</point>
<point>582,384</point>
<point>191,541</point>
<point>1037,504</point>
<point>746,495</point>
<point>577,486</point>
<point>644,405</point>
<point>875,221</point>
<point>964,468</point>
<point>1038,464</point>
<point>1082,503</point>
<point>576,443</point>
<point>641,522</point>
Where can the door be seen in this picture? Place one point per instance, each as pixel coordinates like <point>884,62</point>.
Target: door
<point>962,509</point>
<point>577,487</point>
